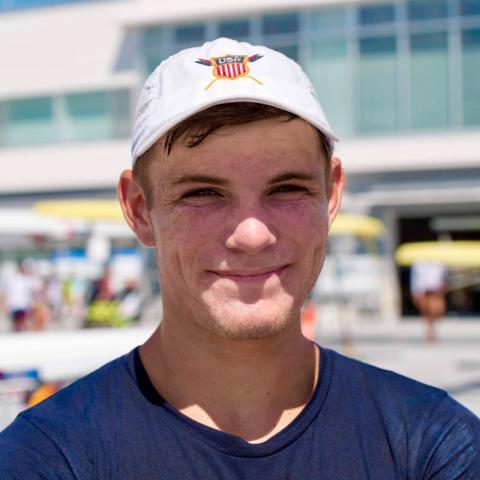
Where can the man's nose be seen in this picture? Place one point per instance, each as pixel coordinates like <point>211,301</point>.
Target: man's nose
<point>251,235</point>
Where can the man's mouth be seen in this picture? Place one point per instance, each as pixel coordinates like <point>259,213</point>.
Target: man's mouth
<point>244,275</point>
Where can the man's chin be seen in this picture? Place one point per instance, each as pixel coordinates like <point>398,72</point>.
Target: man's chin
<point>245,322</point>
<point>261,331</point>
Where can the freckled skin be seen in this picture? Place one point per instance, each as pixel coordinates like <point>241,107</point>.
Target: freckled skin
<point>238,254</point>
<point>239,226</point>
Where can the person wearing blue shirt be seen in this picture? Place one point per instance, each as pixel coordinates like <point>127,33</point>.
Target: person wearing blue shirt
<point>235,185</point>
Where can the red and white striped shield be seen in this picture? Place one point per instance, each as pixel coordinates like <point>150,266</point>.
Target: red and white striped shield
<point>233,66</point>
<point>230,67</point>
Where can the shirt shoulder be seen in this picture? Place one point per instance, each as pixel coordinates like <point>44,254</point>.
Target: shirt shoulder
<point>430,434</point>
<point>28,452</point>
<point>86,398</point>
<point>385,387</point>
<point>450,447</point>
<point>63,430</point>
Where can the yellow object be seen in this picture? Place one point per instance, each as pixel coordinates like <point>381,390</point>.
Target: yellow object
<point>358,225</point>
<point>100,209</point>
<point>454,253</point>
<point>41,393</point>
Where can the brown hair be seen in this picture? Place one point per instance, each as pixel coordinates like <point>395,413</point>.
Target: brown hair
<point>199,126</point>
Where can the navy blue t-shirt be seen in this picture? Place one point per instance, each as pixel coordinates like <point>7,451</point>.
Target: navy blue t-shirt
<point>361,423</point>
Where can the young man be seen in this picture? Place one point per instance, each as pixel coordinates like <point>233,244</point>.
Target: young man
<point>235,187</point>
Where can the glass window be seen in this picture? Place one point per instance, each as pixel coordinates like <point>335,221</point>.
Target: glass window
<point>377,45</point>
<point>30,121</point>
<point>329,19</point>
<point>427,9</point>
<point>83,116</point>
<point>278,24</point>
<point>471,76</point>
<point>470,7</point>
<point>429,80</point>
<point>152,60</point>
<point>235,28</point>
<point>153,37</point>
<point>190,34</point>
<point>88,116</point>
<point>14,4</point>
<point>120,103</point>
<point>377,86</point>
<point>3,122</point>
<point>329,71</point>
<point>290,51</point>
<point>154,47</point>
<point>376,13</point>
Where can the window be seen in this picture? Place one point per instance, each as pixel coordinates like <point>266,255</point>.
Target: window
<point>376,13</point>
<point>427,9</point>
<point>377,84</point>
<point>280,24</point>
<point>429,80</point>
<point>470,7</point>
<point>280,33</point>
<point>3,122</point>
<point>329,18</point>
<point>97,115</point>
<point>235,28</point>
<point>328,69</point>
<point>119,103</point>
<point>190,34</point>
<point>18,4</point>
<point>291,51</point>
<point>30,121</point>
<point>155,41</point>
<point>374,71</point>
<point>75,117</point>
<point>153,37</point>
<point>471,76</point>
<point>87,116</point>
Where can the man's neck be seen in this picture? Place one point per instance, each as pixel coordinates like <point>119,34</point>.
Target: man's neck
<point>252,389</point>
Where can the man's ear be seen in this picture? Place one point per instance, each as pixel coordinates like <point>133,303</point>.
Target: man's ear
<point>336,185</point>
<point>135,208</point>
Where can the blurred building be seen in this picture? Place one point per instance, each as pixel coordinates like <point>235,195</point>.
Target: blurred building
<point>399,80</point>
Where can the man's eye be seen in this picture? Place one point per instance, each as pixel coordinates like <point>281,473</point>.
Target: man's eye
<point>200,192</point>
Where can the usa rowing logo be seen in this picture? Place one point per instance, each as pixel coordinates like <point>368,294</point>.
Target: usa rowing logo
<point>230,67</point>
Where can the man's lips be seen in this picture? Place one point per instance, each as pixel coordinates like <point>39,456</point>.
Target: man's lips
<point>244,275</point>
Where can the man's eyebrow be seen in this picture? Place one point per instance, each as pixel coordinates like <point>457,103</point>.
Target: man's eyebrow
<point>292,176</point>
<point>200,179</point>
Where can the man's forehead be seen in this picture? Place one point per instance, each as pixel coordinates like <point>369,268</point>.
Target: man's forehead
<point>266,149</point>
<point>275,177</point>
<point>247,138</point>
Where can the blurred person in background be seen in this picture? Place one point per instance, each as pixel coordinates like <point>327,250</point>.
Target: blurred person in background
<point>54,295</point>
<point>19,289</point>
<point>428,287</point>
<point>235,186</point>
<point>129,300</point>
<point>101,288</point>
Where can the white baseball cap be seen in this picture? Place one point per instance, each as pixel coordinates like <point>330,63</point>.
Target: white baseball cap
<point>221,71</point>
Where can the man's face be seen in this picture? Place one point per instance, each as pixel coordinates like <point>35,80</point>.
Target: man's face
<point>240,224</point>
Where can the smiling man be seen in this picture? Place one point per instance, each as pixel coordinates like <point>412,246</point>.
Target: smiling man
<point>234,186</point>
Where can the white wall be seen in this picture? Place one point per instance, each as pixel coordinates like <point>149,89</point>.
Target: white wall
<point>89,165</point>
<point>62,49</point>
